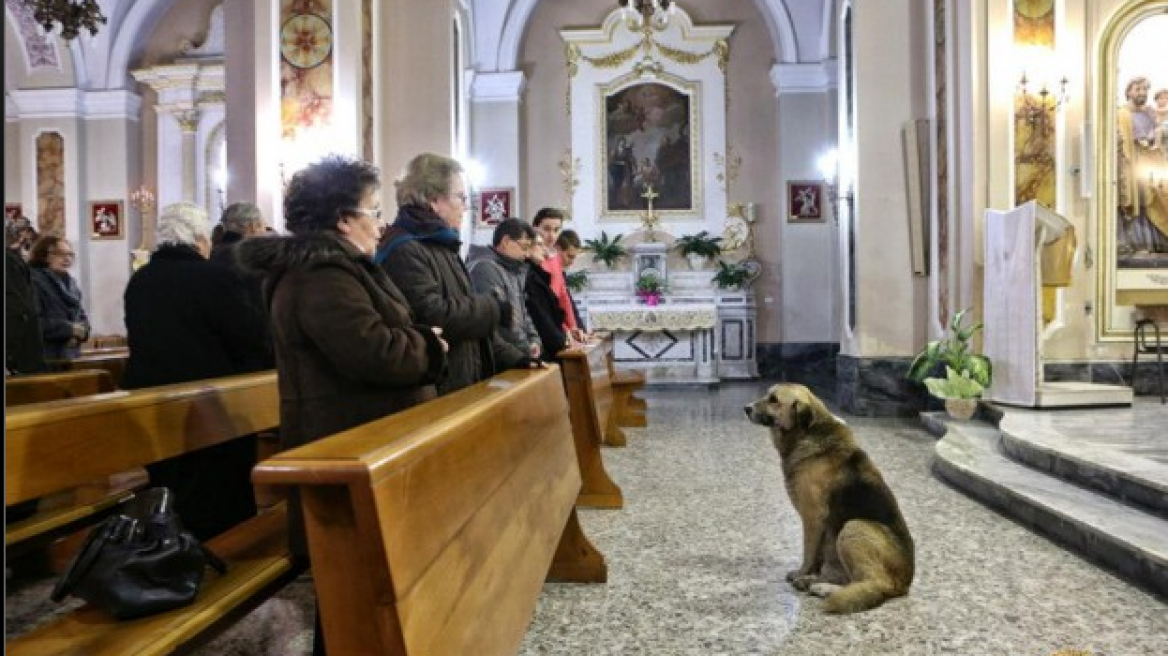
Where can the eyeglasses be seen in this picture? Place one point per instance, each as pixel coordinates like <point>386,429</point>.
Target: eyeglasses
<point>373,213</point>
<point>63,253</point>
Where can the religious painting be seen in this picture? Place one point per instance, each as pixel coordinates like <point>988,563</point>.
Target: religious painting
<point>647,139</point>
<point>105,219</point>
<point>13,211</point>
<point>804,202</point>
<point>494,205</point>
<point>1132,182</point>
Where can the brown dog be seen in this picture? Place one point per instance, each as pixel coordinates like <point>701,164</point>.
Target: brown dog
<point>857,551</point>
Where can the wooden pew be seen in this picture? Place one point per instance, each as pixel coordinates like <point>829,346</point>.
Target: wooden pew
<point>38,388</point>
<point>59,445</point>
<point>627,408</point>
<point>112,360</point>
<point>589,393</point>
<point>432,530</point>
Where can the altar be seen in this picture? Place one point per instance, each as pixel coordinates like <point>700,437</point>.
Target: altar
<point>701,337</point>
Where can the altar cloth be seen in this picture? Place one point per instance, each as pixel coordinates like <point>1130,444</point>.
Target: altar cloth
<point>630,317</point>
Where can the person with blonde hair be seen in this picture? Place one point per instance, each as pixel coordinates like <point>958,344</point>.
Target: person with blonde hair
<point>420,252</point>
<point>188,318</point>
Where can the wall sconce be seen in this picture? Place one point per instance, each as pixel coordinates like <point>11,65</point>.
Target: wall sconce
<point>829,166</point>
<point>1036,107</point>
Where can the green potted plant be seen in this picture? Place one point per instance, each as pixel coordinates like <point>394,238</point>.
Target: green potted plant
<point>650,287</point>
<point>605,250</point>
<point>731,275</point>
<point>699,248</point>
<point>959,391</point>
<point>955,352</point>
<point>577,280</point>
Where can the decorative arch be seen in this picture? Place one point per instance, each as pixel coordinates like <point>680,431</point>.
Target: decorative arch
<point>774,13</point>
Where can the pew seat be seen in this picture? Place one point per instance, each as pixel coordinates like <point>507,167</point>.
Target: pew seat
<point>39,388</point>
<point>258,564</point>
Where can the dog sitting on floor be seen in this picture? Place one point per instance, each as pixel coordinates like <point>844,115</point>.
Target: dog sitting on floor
<point>857,551</point>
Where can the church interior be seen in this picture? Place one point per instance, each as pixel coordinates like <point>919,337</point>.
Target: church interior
<point>899,204</point>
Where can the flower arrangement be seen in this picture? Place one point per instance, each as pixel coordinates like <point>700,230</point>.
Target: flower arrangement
<point>650,287</point>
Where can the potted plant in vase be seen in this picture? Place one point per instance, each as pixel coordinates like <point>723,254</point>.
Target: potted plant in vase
<point>576,280</point>
<point>650,287</point>
<point>605,250</point>
<point>967,373</point>
<point>731,275</point>
<point>699,248</point>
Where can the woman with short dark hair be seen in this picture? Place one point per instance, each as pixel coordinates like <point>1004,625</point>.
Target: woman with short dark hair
<point>64,323</point>
<point>348,349</point>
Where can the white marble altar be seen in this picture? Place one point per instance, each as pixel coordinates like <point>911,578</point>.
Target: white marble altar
<point>698,334</point>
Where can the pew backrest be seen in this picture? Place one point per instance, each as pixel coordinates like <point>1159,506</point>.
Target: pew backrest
<point>431,531</point>
<point>39,388</point>
<point>59,445</point>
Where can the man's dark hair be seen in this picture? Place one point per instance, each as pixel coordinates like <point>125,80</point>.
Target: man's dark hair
<point>323,192</point>
<point>513,228</point>
<point>568,239</point>
<point>547,213</point>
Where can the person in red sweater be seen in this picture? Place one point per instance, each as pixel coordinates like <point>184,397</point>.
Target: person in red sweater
<point>549,221</point>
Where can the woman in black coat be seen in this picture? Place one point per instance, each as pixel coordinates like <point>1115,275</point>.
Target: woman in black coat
<point>188,318</point>
<point>64,323</point>
<point>543,306</point>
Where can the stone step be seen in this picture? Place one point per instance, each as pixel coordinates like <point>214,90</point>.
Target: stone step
<point>1130,540</point>
<point>1121,473</point>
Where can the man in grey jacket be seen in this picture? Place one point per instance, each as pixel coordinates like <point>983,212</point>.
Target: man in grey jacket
<point>501,272</point>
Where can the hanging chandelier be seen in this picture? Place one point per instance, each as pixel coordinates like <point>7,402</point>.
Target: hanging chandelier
<point>653,12</point>
<point>71,15</point>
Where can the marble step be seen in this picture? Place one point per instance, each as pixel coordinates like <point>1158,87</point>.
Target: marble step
<point>1130,540</point>
<point>1118,472</point>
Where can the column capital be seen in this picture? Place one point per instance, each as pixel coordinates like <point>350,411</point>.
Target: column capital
<point>505,86</point>
<point>188,119</point>
<point>815,77</point>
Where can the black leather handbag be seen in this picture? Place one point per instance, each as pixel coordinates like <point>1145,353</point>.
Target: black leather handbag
<point>140,562</point>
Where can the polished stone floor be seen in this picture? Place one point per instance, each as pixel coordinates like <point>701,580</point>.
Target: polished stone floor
<point>697,558</point>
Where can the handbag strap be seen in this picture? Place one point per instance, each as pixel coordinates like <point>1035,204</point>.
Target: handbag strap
<point>214,561</point>
<point>85,559</point>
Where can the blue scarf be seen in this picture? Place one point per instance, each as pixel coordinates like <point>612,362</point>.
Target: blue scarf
<point>416,223</point>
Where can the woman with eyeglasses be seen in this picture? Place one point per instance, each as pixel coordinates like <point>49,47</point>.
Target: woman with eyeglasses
<point>348,349</point>
<point>420,252</point>
<point>64,323</point>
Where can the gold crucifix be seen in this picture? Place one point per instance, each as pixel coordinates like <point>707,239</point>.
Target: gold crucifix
<point>649,219</point>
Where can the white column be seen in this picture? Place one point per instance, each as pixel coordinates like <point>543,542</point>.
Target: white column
<point>188,123</point>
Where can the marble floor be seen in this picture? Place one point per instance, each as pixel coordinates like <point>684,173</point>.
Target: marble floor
<point>697,558</point>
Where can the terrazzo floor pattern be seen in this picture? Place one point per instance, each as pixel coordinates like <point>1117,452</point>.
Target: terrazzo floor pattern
<point>697,558</point>
<point>698,555</point>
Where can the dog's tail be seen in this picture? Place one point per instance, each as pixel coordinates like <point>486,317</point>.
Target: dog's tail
<point>858,596</point>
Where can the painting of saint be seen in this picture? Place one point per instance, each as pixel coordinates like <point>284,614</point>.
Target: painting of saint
<point>647,144</point>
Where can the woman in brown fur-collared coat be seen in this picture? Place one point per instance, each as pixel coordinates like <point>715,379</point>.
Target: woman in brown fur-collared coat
<point>348,350</point>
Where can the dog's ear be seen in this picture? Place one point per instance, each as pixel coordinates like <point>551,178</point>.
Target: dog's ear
<point>804,414</point>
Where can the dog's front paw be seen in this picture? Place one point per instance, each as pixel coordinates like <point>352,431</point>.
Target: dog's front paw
<point>794,574</point>
<point>822,589</point>
<point>803,582</point>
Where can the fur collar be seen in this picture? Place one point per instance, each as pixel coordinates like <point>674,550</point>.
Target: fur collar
<point>269,255</point>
